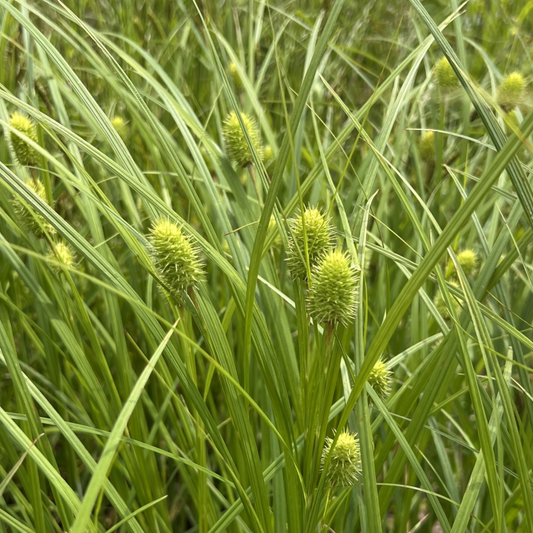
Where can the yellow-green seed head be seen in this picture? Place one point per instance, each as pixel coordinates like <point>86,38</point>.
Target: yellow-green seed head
<point>511,90</point>
<point>120,126</point>
<point>345,464</point>
<point>380,379</point>
<point>26,154</point>
<point>333,289</point>
<point>318,236</point>
<point>440,304</point>
<point>427,146</point>
<point>32,221</point>
<point>62,253</point>
<point>468,261</point>
<point>268,153</point>
<point>445,75</point>
<point>175,257</point>
<point>236,143</point>
<point>235,75</point>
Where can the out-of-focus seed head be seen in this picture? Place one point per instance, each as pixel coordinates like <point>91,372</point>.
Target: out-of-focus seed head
<point>30,220</point>
<point>313,228</point>
<point>380,379</point>
<point>235,75</point>
<point>175,257</point>
<point>441,306</point>
<point>271,226</point>
<point>511,122</point>
<point>120,126</point>
<point>333,289</point>
<point>427,146</point>
<point>345,464</point>
<point>445,75</point>
<point>511,90</point>
<point>467,259</point>
<point>26,154</point>
<point>236,144</point>
<point>62,253</point>
<point>268,154</point>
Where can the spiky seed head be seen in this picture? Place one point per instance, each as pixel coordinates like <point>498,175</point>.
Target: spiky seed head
<point>441,306</point>
<point>427,146</point>
<point>380,379</point>
<point>33,222</point>
<point>313,228</point>
<point>511,90</point>
<point>345,464</point>
<point>445,75</point>
<point>468,261</point>
<point>175,257</point>
<point>236,144</point>
<point>62,253</point>
<point>26,154</point>
<point>333,289</point>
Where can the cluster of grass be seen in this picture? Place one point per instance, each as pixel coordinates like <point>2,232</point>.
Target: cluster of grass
<point>266,267</point>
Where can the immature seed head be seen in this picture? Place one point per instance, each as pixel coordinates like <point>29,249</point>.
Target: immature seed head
<point>445,75</point>
<point>441,306</point>
<point>120,126</point>
<point>468,261</point>
<point>175,257</point>
<point>268,153</point>
<point>333,289</point>
<point>311,228</point>
<point>33,222</point>
<point>427,146</point>
<point>511,90</point>
<point>235,75</point>
<point>236,144</point>
<point>271,226</point>
<point>62,253</point>
<point>26,154</point>
<point>345,464</point>
<point>380,379</point>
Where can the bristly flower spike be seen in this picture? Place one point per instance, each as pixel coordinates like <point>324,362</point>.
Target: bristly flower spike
<point>33,222</point>
<point>175,257</point>
<point>380,379</point>
<point>333,290</point>
<point>26,154</point>
<point>345,464</point>
<point>314,229</point>
<point>236,144</point>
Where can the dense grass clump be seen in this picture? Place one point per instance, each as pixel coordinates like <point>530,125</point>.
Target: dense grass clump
<point>266,267</point>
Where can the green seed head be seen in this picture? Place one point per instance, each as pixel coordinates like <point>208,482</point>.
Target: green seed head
<point>175,257</point>
<point>33,222</point>
<point>440,304</point>
<point>318,236</point>
<point>26,154</point>
<point>235,75</point>
<point>62,253</point>
<point>345,464</point>
<point>445,74</point>
<point>380,379</point>
<point>427,146</point>
<point>236,144</point>
<point>468,261</point>
<point>511,122</point>
<point>120,126</point>
<point>271,226</point>
<point>333,289</point>
<point>511,91</point>
<point>268,153</point>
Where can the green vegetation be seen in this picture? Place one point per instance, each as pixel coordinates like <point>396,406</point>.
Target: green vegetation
<point>266,267</point>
